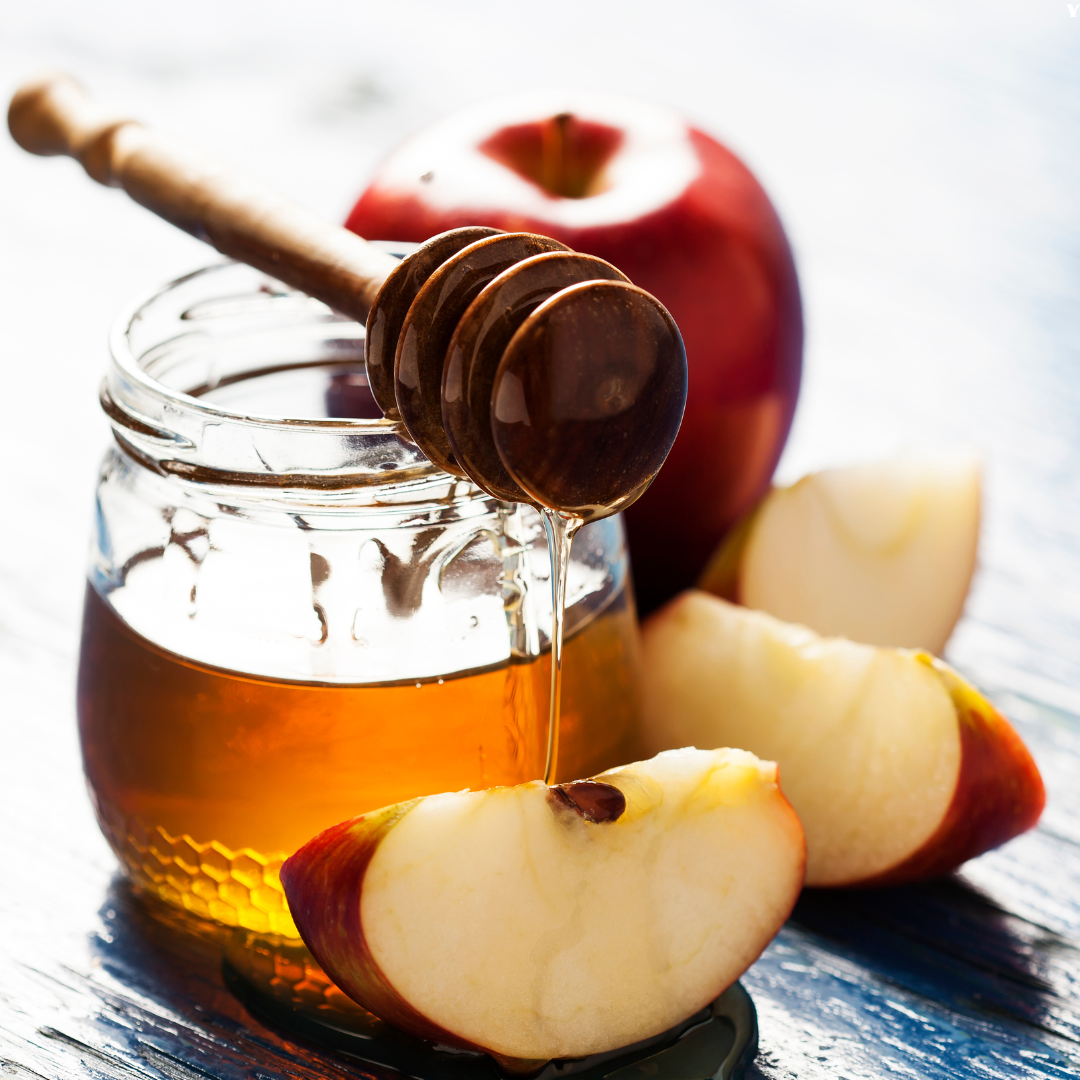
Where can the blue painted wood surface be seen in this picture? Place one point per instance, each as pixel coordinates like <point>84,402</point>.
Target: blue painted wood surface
<point>924,158</point>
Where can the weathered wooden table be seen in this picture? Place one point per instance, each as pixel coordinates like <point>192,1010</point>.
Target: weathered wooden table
<point>925,160</point>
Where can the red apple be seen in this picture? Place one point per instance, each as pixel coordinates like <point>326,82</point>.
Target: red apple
<point>682,217</point>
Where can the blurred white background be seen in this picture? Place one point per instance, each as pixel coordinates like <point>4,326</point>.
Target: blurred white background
<point>924,157</point>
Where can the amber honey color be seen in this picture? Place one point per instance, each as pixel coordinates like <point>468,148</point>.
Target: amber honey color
<point>205,780</point>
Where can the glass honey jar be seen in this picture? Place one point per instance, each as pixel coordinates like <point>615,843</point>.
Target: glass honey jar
<point>292,617</point>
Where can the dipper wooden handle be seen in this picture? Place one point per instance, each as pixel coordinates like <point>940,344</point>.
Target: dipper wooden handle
<point>240,217</point>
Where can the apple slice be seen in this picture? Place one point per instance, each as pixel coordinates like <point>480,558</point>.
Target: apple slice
<point>898,769</point>
<point>878,553</point>
<point>537,923</point>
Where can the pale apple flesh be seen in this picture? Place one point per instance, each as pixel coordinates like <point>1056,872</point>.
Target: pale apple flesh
<point>898,769</point>
<point>881,554</point>
<point>999,793</point>
<point>535,924</point>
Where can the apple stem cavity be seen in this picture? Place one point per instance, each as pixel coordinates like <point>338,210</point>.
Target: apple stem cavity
<point>563,155</point>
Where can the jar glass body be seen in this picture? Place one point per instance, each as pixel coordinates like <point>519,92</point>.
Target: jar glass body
<point>290,622</point>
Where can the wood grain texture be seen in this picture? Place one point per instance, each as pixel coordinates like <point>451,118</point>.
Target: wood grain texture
<point>429,325</point>
<point>392,303</point>
<point>588,397</point>
<point>477,346</point>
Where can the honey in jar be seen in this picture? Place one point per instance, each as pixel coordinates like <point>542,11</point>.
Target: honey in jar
<point>291,622</point>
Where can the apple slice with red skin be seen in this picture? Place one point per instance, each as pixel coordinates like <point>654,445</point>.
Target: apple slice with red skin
<point>998,795</point>
<point>881,553</point>
<point>536,923</point>
<point>684,219</point>
<point>898,768</point>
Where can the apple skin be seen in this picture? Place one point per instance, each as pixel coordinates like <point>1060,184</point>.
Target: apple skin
<point>716,673</point>
<point>665,878</point>
<point>712,250</point>
<point>333,865</point>
<point>999,793</point>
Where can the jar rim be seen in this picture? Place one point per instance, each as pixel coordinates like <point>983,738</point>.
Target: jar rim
<point>125,359</point>
<point>174,432</point>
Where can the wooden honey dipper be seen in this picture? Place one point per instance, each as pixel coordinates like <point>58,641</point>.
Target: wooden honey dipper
<point>591,383</point>
<point>540,374</point>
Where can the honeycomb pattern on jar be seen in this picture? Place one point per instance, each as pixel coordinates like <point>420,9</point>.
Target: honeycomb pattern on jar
<point>291,974</point>
<point>208,880</point>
